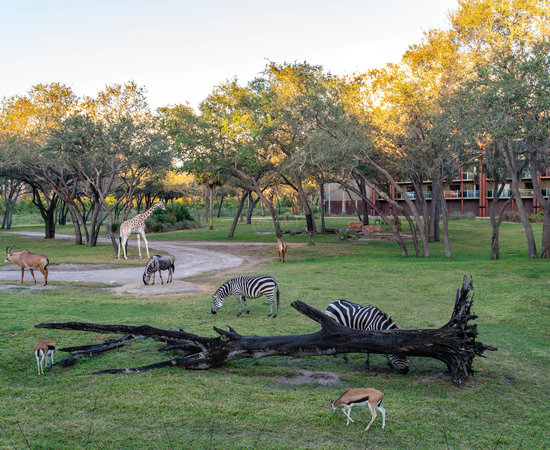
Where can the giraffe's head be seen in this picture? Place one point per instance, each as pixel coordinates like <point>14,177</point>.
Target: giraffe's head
<point>160,205</point>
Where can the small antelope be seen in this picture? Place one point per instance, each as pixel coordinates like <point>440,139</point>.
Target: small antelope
<point>31,261</point>
<point>281,248</point>
<point>352,397</point>
<point>44,349</point>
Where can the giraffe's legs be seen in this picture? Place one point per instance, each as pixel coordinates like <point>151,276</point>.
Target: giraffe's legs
<point>139,248</point>
<point>142,232</point>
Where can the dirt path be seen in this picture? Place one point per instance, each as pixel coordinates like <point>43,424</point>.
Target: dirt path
<point>192,258</point>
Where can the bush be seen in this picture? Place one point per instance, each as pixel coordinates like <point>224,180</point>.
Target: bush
<point>455,215</point>
<point>536,218</point>
<point>175,217</point>
<point>511,217</point>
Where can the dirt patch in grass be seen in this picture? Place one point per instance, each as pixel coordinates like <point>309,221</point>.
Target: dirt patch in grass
<point>309,376</point>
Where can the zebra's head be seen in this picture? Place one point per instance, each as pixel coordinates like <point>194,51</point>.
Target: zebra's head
<point>218,301</point>
<point>146,278</point>
<point>219,296</point>
<point>398,363</point>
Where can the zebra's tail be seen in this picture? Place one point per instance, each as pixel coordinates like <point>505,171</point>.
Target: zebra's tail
<point>278,290</point>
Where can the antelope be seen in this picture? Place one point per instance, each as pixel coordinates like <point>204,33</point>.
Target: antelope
<point>352,397</point>
<point>281,248</point>
<point>31,261</point>
<point>44,349</point>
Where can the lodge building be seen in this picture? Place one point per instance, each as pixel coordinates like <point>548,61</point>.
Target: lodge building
<point>470,192</point>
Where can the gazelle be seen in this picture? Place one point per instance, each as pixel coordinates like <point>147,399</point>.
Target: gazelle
<point>44,349</point>
<point>281,248</point>
<point>31,261</point>
<point>351,397</point>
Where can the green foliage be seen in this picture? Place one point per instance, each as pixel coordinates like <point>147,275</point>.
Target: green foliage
<point>23,206</point>
<point>175,217</point>
<point>536,218</point>
<point>456,215</point>
<point>511,217</point>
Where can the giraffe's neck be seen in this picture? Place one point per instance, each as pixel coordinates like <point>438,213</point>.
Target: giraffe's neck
<point>147,213</point>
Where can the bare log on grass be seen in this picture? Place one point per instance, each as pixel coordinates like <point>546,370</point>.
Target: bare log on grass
<point>455,343</point>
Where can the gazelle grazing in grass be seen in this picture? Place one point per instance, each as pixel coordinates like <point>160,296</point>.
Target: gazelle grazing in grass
<point>281,248</point>
<point>351,397</point>
<point>28,260</point>
<point>44,350</point>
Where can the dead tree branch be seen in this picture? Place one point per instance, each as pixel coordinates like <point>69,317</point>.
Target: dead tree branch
<point>455,343</point>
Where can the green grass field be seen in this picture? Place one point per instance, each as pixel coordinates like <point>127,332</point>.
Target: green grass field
<point>262,404</point>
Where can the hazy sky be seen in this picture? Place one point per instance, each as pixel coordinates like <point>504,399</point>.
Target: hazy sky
<point>179,50</point>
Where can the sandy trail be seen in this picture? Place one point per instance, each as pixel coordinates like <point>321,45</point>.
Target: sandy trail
<point>192,258</point>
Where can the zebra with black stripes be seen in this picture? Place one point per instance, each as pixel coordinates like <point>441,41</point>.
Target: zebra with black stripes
<point>248,287</point>
<point>366,317</point>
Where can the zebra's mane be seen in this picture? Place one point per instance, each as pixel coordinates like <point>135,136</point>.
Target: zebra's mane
<point>386,316</point>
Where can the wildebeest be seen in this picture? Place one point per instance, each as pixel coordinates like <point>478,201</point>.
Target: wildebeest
<point>158,263</point>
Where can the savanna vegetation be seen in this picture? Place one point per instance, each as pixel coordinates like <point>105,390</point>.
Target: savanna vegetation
<point>281,402</point>
<point>475,95</point>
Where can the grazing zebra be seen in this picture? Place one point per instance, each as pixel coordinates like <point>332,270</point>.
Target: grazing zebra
<point>365,317</point>
<point>158,263</point>
<point>248,287</point>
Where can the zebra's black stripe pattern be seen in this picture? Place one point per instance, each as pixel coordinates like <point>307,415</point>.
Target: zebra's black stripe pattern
<point>158,263</point>
<point>248,287</point>
<point>366,317</point>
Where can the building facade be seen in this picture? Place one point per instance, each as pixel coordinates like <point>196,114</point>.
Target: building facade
<point>471,192</point>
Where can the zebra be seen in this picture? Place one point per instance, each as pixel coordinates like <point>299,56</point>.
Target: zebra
<point>366,317</point>
<point>248,287</point>
<point>158,263</point>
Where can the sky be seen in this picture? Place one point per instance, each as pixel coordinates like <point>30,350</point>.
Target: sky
<point>180,50</point>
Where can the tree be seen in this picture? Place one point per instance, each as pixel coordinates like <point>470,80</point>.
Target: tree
<point>26,122</point>
<point>509,43</point>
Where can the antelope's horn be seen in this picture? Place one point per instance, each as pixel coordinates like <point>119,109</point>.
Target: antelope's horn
<point>9,247</point>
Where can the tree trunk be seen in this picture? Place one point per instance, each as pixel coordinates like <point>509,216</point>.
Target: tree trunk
<point>363,189</point>
<point>305,207</point>
<point>509,157</point>
<point>408,201</point>
<point>445,216</point>
<point>322,203</point>
<point>237,215</point>
<point>534,168</point>
<point>211,204</point>
<point>251,205</point>
<point>386,219</point>
<point>76,225</point>
<point>455,343</point>
<point>218,215</point>
<point>496,217</point>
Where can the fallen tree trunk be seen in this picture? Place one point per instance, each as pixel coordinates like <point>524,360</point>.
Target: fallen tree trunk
<point>455,343</point>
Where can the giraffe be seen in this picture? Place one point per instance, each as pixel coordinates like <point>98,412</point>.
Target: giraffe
<point>136,225</point>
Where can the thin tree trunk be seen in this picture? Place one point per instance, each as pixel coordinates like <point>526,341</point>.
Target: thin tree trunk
<point>444,215</point>
<point>512,169</point>
<point>386,219</point>
<point>211,204</point>
<point>237,215</point>
<point>534,168</point>
<point>322,203</point>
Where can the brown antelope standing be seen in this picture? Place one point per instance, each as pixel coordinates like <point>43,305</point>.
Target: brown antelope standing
<point>44,349</point>
<point>351,397</point>
<point>31,261</point>
<point>281,248</point>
